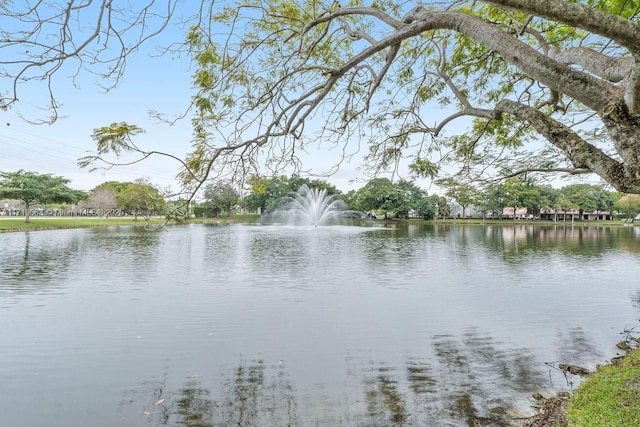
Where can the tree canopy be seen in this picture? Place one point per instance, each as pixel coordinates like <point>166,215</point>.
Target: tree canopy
<point>115,186</point>
<point>140,197</point>
<point>628,204</point>
<point>538,86</point>
<point>221,195</point>
<point>32,187</point>
<point>463,194</point>
<point>103,198</point>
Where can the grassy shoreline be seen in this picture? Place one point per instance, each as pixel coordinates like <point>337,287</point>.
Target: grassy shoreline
<point>609,397</point>
<point>61,223</point>
<point>8,224</point>
<point>49,223</point>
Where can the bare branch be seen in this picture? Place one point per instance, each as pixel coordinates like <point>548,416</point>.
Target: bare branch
<point>346,11</point>
<point>38,41</point>
<point>570,171</point>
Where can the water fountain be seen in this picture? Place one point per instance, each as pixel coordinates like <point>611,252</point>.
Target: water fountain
<point>311,206</point>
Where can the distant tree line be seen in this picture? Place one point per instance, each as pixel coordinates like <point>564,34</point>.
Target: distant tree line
<point>516,193</point>
<point>139,198</point>
<point>404,198</point>
<point>379,196</point>
<point>34,190</point>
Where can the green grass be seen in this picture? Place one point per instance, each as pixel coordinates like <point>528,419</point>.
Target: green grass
<point>38,223</point>
<point>246,218</point>
<point>610,397</point>
<point>18,224</point>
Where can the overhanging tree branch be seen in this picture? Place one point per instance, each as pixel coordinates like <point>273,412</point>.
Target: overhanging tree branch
<point>582,154</point>
<point>610,68</point>
<point>520,172</point>
<point>587,89</point>
<point>277,75</point>
<point>578,15</point>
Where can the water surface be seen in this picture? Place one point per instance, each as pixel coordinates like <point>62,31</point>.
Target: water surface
<point>208,325</point>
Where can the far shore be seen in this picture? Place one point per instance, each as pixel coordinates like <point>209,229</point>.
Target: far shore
<point>12,223</point>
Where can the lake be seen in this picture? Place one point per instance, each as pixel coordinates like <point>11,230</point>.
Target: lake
<point>215,325</point>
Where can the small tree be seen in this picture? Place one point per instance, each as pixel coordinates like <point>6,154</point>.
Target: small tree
<point>463,194</point>
<point>604,201</point>
<point>426,207</point>
<point>629,205</point>
<point>141,198</point>
<point>375,195</point>
<point>103,199</point>
<point>442,206</point>
<point>518,193</point>
<point>491,200</point>
<point>565,205</point>
<point>115,186</point>
<point>221,195</point>
<point>408,197</point>
<point>263,191</point>
<point>32,187</point>
<point>583,196</point>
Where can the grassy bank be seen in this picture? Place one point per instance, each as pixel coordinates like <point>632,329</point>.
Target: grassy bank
<point>18,224</point>
<point>238,219</point>
<point>610,397</point>
<point>53,223</point>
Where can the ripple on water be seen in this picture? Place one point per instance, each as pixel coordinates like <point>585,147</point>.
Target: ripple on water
<point>422,325</point>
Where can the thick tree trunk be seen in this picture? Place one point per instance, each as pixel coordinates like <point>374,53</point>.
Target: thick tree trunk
<point>623,31</point>
<point>609,68</point>
<point>618,105</point>
<point>589,90</point>
<point>624,130</point>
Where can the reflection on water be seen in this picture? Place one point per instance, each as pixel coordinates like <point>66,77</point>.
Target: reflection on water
<point>249,394</point>
<point>31,258</point>
<point>254,394</point>
<point>265,325</point>
<point>577,241</point>
<point>40,262</point>
<point>416,392</point>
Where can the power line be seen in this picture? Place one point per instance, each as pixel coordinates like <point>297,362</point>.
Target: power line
<point>45,158</point>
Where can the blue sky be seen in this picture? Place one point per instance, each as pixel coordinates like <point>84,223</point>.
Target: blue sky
<point>151,82</point>
<point>159,84</point>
